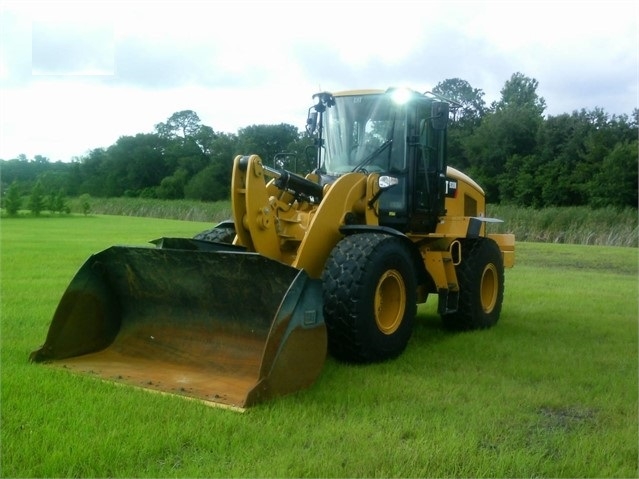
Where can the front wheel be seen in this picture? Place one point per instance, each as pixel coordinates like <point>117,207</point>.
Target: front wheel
<point>369,298</point>
<point>480,276</point>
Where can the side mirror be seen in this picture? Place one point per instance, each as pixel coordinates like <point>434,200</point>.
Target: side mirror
<point>311,122</point>
<point>439,115</point>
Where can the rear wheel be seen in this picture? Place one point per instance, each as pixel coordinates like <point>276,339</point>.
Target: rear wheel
<point>481,286</point>
<point>224,233</point>
<point>369,298</point>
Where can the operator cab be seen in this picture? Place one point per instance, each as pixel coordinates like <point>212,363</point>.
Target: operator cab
<point>397,133</point>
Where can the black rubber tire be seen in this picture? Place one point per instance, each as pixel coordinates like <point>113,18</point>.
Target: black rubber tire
<point>370,288</point>
<point>219,234</point>
<point>481,286</point>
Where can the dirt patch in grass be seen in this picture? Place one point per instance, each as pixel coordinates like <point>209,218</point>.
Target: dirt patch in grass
<point>565,418</point>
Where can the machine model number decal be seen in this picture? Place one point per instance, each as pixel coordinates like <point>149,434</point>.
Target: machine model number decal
<point>451,188</point>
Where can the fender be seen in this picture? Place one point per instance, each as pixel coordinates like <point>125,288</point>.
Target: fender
<point>348,230</point>
<point>423,278</point>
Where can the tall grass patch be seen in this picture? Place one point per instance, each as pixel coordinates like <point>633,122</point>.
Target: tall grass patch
<point>575,225</point>
<point>187,210</point>
<point>550,391</point>
<point>571,225</point>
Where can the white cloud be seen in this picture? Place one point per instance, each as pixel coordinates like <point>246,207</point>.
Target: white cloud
<point>121,67</point>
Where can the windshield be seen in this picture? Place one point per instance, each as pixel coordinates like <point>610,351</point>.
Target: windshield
<point>364,133</point>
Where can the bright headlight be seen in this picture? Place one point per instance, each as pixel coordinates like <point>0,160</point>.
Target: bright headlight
<point>387,181</point>
<point>401,95</point>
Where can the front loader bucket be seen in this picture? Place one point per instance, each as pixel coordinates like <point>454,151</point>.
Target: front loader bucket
<point>226,327</point>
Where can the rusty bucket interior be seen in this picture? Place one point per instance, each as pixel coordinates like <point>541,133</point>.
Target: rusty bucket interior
<point>229,328</point>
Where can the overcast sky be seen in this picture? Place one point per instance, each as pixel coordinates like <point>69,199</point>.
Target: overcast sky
<point>75,76</point>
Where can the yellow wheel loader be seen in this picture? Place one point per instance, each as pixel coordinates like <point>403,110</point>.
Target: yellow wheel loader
<point>335,261</point>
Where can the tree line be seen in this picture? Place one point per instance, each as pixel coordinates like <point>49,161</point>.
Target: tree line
<point>517,154</point>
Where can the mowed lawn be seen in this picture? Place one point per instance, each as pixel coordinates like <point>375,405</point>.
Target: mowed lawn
<point>551,391</point>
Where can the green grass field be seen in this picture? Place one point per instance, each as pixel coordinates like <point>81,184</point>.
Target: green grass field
<point>551,391</point>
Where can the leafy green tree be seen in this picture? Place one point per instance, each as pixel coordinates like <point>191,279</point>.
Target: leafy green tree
<point>616,183</point>
<point>500,136</point>
<point>520,91</point>
<point>12,199</point>
<point>58,202</point>
<point>26,172</point>
<point>36,200</point>
<point>225,149</point>
<point>85,203</point>
<point>213,183</point>
<point>472,106</point>
<point>183,124</point>
<point>266,140</point>
<point>305,149</point>
<point>188,149</point>
<point>91,173</point>
<point>561,147</point>
<point>517,155</point>
<point>49,202</point>
<point>573,152</point>
<point>205,139</point>
<point>518,184</point>
<point>512,129</point>
<point>54,176</point>
<point>74,177</point>
<point>207,185</point>
<point>172,187</point>
<point>132,164</point>
<point>465,118</point>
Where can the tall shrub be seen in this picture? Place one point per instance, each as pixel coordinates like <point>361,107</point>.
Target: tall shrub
<point>37,199</point>
<point>12,199</point>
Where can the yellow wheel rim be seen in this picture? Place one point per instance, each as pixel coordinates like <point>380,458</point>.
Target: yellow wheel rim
<point>489,288</point>
<point>390,302</point>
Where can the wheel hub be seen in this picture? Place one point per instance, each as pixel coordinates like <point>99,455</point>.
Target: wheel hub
<point>390,302</point>
<point>489,288</point>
